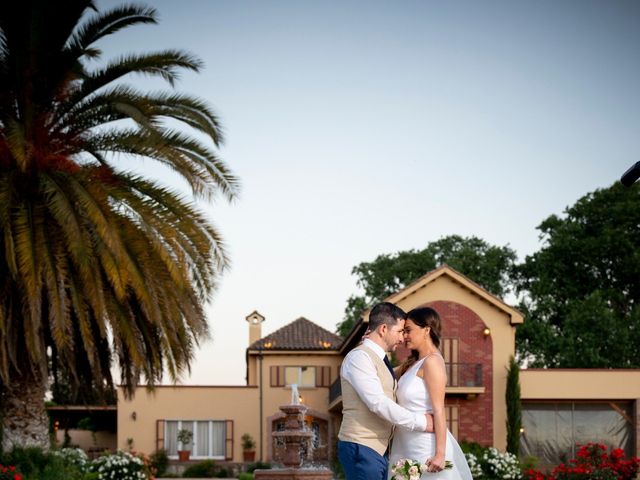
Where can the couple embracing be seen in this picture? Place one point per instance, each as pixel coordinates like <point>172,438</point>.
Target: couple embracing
<point>417,422</point>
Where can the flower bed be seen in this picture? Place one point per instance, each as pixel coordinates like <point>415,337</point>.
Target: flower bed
<point>72,464</point>
<point>592,462</point>
<point>9,473</point>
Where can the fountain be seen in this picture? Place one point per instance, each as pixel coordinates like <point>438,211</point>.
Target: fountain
<point>297,439</point>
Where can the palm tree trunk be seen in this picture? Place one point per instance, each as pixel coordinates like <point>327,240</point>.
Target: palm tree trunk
<point>24,419</point>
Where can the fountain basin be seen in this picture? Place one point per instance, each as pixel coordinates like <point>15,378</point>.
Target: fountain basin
<point>292,434</point>
<point>293,474</point>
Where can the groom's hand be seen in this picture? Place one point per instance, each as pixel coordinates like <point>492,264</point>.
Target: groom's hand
<point>429,423</point>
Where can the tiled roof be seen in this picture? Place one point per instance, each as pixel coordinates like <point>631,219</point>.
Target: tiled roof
<point>301,334</point>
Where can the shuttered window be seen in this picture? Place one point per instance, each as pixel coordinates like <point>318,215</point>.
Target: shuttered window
<point>452,413</point>
<point>450,354</point>
<point>228,445</point>
<point>303,376</point>
<point>277,377</point>
<point>323,376</point>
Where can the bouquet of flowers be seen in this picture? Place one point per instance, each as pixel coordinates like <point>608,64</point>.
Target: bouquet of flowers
<point>408,469</point>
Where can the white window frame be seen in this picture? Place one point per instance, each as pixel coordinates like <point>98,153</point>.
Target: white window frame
<point>194,442</point>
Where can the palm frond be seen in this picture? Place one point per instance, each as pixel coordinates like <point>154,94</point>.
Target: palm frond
<point>166,64</point>
<point>108,23</point>
<point>97,263</point>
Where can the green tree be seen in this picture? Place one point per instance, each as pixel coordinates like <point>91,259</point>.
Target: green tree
<point>98,264</point>
<point>488,265</point>
<point>581,290</point>
<point>514,408</point>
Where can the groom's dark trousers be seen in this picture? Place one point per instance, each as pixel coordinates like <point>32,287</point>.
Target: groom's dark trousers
<point>361,463</point>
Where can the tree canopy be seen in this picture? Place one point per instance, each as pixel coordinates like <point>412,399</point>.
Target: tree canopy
<point>488,265</point>
<point>581,290</point>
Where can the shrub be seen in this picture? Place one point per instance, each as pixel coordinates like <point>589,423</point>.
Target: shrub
<point>496,464</point>
<point>489,463</point>
<point>35,464</point>
<point>472,447</point>
<point>338,471</point>
<point>29,461</point>
<point>57,470</point>
<point>474,465</point>
<point>159,462</point>
<point>206,469</point>
<point>121,465</point>
<point>245,476</point>
<point>74,457</point>
<point>258,465</point>
<point>222,473</point>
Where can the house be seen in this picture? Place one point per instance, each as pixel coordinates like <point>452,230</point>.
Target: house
<point>560,407</point>
<point>300,353</point>
<point>478,340</point>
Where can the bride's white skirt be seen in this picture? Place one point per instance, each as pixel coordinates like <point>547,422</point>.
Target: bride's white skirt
<point>421,446</point>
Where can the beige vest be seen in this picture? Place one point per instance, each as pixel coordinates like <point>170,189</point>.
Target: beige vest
<point>359,424</point>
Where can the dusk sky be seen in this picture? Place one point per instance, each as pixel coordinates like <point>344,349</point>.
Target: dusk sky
<point>366,127</point>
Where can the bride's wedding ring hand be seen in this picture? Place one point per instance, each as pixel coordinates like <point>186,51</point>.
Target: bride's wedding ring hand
<point>433,465</point>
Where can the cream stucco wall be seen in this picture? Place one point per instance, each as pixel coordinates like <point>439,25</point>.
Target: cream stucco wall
<point>240,404</point>
<point>186,403</point>
<point>573,384</point>
<point>444,288</point>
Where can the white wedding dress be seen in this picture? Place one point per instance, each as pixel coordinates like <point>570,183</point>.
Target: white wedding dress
<point>413,395</point>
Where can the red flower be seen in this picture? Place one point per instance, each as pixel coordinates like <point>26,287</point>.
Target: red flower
<point>617,453</point>
<point>532,474</point>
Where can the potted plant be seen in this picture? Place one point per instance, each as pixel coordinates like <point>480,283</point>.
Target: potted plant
<point>184,437</point>
<point>248,448</point>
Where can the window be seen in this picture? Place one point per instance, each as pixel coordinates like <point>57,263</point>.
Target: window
<point>318,376</point>
<point>302,376</point>
<point>209,437</point>
<point>552,429</point>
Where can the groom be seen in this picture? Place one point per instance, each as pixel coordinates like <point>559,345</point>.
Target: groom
<point>369,411</point>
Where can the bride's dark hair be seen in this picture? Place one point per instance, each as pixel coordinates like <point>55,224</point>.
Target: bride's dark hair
<point>423,317</point>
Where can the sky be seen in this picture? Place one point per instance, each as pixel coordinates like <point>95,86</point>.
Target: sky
<point>359,128</point>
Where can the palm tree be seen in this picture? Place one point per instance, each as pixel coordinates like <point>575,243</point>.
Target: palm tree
<point>97,264</point>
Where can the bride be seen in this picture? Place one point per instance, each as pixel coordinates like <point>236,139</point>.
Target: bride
<point>421,389</point>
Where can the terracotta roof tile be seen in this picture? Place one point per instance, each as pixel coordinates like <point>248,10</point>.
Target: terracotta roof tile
<point>301,334</point>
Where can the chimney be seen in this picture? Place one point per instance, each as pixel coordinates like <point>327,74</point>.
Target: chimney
<point>255,326</point>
